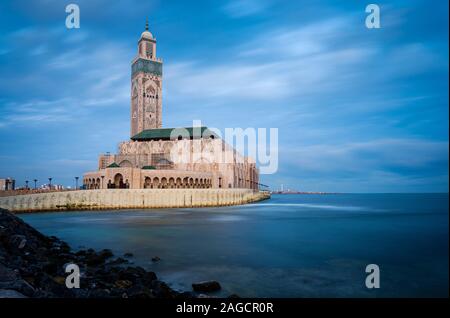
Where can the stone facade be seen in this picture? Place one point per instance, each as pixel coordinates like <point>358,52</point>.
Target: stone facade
<point>146,86</point>
<point>153,158</point>
<point>7,184</point>
<point>129,199</point>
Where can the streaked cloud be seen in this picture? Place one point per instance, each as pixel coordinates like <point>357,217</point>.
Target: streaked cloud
<point>243,8</point>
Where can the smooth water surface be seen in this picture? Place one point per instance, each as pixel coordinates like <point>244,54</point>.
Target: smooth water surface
<point>288,246</point>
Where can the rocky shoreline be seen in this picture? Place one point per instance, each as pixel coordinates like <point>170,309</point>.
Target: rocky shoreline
<point>33,265</point>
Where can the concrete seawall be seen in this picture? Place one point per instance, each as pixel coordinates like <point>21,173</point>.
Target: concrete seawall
<point>129,199</point>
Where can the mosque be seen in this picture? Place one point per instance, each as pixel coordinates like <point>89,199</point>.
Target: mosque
<point>167,158</point>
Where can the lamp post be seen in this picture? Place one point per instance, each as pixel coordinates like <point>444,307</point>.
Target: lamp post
<point>76,183</point>
<point>50,183</point>
<point>35,184</point>
<point>26,184</point>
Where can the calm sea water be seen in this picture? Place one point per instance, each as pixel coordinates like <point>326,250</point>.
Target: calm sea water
<point>288,246</point>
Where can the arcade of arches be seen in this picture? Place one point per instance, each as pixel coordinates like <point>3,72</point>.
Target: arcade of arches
<point>114,179</point>
<point>172,183</point>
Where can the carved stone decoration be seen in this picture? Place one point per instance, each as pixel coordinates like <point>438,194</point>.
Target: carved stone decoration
<point>146,75</point>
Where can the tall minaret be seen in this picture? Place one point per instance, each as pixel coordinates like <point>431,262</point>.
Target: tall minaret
<point>146,86</point>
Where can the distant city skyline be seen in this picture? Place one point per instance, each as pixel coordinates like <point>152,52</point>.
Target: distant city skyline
<point>357,110</point>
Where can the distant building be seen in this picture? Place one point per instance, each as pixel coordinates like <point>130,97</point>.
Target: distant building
<point>162,158</point>
<point>52,187</point>
<point>7,184</point>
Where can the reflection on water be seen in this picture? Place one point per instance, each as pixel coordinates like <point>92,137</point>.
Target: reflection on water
<point>289,246</point>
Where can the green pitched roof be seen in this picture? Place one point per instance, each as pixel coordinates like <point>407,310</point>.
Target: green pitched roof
<point>148,168</point>
<point>113,165</point>
<point>166,133</point>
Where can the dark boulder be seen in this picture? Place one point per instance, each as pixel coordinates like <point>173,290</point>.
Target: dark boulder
<point>123,284</point>
<point>94,259</point>
<point>17,241</point>
<point>106,253</point>
<point>99,293</point>
<point>207,286</point>
<point>139,291</point>
<point>11,293</point>
<point>162,290</point>
<point>117,261</point>
<point>50,268</point>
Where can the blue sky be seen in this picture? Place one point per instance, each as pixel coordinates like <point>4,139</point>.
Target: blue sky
<point>357,110</point>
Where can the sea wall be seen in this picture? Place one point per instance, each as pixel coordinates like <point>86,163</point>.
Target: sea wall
<point>130,199</point>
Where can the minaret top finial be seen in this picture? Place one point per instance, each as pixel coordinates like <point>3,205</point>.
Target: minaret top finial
<point>146,34</point>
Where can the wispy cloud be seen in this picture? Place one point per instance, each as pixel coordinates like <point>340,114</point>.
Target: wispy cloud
<point>243,8</point>
<point>42,112</point>
<point>370,155</point>
<point>381,165</point>
<point>299,61</point>
<point>94,75</point>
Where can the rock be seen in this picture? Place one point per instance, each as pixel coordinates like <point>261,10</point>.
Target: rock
<point>118,261</point>
<point>186,295</point>
<point>10,279</point>
<point>50,268</point>
<point>17,241</point>
<point>155,259</point>
<point>60,246</point>
<point>162,290</point>
<point>94,259</point>
<point>106,253</point>
<point>59,280</point>
<point>99,293</point>
<point>7,274</point>
<point>128,255</point>
<point>33,265</point>
<point>123,284</point>
<point>149,277</point>
<point>139,291</point>
<point>11,293</point>
<point>66,258</point>
<point>207,286</point>
<point>81,293</point>
<point>48,284</point>
<point>81,253</point>
<point>137,275</point>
